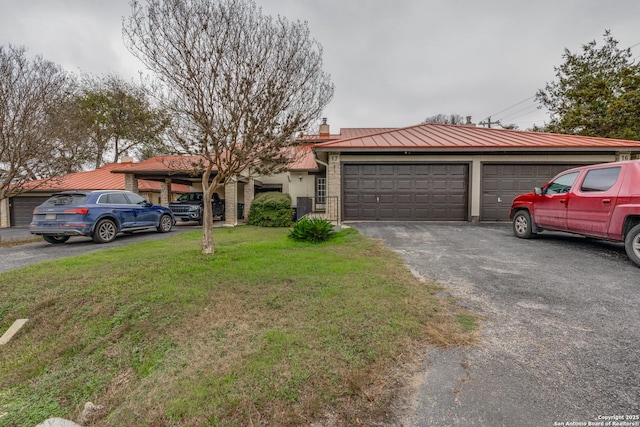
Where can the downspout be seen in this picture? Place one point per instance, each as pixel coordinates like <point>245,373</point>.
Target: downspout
<point>315,157</point>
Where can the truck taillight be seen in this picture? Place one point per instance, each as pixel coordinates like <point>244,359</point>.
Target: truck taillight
<point>78,211</point>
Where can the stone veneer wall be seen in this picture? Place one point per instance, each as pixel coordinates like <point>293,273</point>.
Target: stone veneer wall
<point>249,192</point>
<point>334,182</point>
<point>130,183</point>
<point>4,213</point>
<point>230,203</point>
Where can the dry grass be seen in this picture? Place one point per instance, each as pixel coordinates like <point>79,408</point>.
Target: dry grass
<point>266,332</point>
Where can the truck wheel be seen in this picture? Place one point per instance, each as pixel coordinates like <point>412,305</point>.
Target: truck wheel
<point>632,245</point>
<point>522,226</point>
<point>105,231</point>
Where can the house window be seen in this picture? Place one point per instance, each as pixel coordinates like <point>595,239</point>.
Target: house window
<point>321,190</point>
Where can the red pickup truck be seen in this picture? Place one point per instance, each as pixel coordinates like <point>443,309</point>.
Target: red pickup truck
<point>601,201</point>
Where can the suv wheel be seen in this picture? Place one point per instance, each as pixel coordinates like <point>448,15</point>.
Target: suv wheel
<point>166,223</point>
<point>105,231</point>
<point>522,226</point>
<point>632,245</point>
<point>55,239</point>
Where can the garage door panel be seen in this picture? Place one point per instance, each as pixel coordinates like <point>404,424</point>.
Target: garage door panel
<point>369,170</point>
<point>422,184</point>
<point>21,209</point>
<point>412,192</point>
<point>404,199</point>
<point>404,170</point>
<point>502,182</point>
<point>404,184</point>
<point>368,184</point>
<point>386,170</point>
<point>386,184</point>
<point>422,170</point>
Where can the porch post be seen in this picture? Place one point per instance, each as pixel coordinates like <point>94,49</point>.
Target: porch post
<point>165,192</point>
<point>4,213</point>
<point>230,202</point>
<point>334,188</point>
<point>131,183</point>
<point>249,192</point>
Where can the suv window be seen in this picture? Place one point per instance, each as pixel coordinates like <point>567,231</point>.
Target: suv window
<point>113,199</point>
<point>562,184</point>
<point>66,200</point>
<point>136,199</point>
<point>600,179</point>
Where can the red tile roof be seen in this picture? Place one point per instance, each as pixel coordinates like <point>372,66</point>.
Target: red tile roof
<point>164,164</point>
<point>438,137</point>
<point>99,179</point>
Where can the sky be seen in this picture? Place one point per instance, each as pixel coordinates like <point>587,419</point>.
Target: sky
<point>393,62</point>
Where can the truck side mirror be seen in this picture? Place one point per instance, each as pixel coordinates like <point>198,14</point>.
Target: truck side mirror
<point>537,191</point>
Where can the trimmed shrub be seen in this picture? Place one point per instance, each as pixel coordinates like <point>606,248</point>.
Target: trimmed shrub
<point>314,230</point>
<point>271,210</point>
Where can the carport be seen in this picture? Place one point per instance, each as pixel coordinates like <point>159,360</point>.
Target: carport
<point>435,172</point>
<point>168,170</point>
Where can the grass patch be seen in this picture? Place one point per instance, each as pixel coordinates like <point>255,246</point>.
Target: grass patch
<point>7,243</point>
<point>268,331</point>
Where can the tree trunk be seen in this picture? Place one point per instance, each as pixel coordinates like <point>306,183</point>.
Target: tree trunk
<point>207,214</point>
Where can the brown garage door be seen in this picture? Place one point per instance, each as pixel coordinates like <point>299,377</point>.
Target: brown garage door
<point>408,192</point>
<point>21,209</point>
<point>502,182</point>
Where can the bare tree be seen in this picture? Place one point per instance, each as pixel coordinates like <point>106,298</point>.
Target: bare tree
<point>446,119</point>
<point>31,93</point>
<point>238,84</point>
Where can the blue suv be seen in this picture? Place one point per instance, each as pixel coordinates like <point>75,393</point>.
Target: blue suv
<point>100,215</point>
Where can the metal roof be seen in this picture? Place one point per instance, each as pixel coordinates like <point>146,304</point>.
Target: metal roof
<point>99,179</point>
<point>439,137</point>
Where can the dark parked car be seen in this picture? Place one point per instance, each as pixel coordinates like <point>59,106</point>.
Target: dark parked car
<point>190,207</point>
<point>100,215</point>
<point>601,201</point>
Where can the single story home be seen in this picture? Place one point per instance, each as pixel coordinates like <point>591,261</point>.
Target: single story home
<point>17,211</point>
<point>426,172</point>
<point>436,172</point>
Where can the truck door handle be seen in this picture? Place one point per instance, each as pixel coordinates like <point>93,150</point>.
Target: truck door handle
<point>562,202</point>
<point>606,201</point>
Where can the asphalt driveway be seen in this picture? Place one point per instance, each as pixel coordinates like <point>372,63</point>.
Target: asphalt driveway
<point>30,253</point>
<point>560,329</point>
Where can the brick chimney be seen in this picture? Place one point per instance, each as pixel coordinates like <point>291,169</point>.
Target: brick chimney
<point>324,129</point>
<point>469,122</point>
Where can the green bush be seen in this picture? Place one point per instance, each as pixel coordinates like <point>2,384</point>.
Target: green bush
<point>271,210</point>
<point>314,230</point>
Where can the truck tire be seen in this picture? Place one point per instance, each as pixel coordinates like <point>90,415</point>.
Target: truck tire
<point>632,244</point>
<point>522,225</point>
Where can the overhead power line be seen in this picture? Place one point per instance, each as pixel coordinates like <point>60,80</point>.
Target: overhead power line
<point>514,105</point>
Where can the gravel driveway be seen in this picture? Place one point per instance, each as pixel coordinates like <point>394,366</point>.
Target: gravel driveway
<point>560,330</point>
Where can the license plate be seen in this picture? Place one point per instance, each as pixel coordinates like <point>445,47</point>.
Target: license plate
<point>51,216</point>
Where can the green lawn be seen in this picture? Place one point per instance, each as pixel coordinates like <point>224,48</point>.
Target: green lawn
<point>266,332</point>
